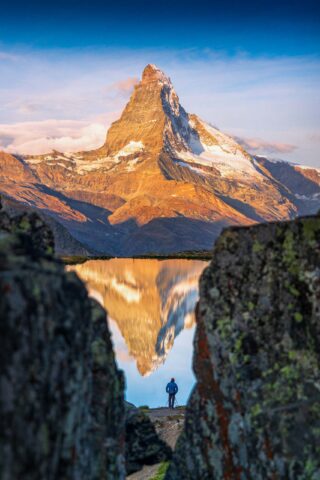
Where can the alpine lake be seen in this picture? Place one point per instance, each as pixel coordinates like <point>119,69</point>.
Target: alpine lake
<point>150,304</point>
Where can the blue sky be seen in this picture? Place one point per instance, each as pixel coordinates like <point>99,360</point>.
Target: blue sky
<point>250,68</point>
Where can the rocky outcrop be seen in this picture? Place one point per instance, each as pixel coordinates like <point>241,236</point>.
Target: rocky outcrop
<point>61,395</point>
<point>254,412</point>
<point>143,445</point>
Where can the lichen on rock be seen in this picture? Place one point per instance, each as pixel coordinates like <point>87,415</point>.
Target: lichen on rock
<point>61,394</point>
<point>254,412</point>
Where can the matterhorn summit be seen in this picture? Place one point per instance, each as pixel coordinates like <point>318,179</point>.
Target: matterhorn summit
<point>164,180</point>
<point>152,73</point>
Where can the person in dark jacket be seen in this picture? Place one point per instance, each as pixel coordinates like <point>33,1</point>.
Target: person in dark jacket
<point>172,390</point>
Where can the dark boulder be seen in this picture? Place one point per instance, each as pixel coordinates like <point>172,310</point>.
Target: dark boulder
<point>255,410</point>
<point>61,395</point>
<point>143,445</point>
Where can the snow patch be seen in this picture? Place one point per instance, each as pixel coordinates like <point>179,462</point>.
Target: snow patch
<point>306,167</point>
<point>130,148</point>
<point>191,167</point>
<point>84,166</point>
<point>130,166</point>
<point>130,293</point>
<point>315,196</point>
<point>223,153</point>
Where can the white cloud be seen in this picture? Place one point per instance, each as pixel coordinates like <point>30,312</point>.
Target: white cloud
<point>44,136</point>
<point>257,145</point>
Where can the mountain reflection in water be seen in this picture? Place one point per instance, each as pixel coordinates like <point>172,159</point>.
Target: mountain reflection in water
<point>149,302</point>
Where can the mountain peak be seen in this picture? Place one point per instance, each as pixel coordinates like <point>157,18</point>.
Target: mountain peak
<point>152,73</point>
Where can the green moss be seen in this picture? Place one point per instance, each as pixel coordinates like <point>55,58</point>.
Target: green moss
<point>292,354</point>
<point>290,253</point>
<point>256,410</point>
<point>250,306</point>
<point>224,327</point>
<point>257,247</point>
<point>36,290</point>
<point>98,348</point>
<point>293,291</point>
<point>24,225</point>
<point>310,228</point>
<point>289,372</point>
<point>238,344</point>
<point>298,317</point>
<point>162,470</point>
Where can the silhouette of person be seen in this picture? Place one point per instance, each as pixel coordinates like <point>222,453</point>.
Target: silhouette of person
<point>172,390</point>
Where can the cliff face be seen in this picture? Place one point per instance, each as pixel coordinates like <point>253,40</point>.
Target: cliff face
<point>61,395</point>
<point>254,412</point>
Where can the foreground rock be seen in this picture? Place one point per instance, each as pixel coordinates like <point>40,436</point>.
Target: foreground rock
<point>143,445</point>
<point>168,423</point>
<point>61,395</point>
<point>254,413</point>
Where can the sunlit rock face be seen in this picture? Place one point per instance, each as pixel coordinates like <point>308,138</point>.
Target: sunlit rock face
<point>151,301</point>
<point>163,181</point>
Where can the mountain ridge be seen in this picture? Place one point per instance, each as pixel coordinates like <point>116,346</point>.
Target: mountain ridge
<point>164,180</point>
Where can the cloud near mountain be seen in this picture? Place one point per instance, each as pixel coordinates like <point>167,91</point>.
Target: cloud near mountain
<point>258,145</point>
<point>125,86</point>
<point>34,138</point>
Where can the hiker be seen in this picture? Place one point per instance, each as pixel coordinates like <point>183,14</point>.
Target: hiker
<point>172,389</point>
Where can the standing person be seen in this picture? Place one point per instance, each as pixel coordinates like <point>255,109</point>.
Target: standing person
<point>172,390</point>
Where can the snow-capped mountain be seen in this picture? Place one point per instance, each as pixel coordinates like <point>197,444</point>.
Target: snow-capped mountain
<point>163,181</point>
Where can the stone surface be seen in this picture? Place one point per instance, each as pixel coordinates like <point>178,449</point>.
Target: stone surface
<point>143,446</point>
<point>61,395</point>
<point>255,410</point>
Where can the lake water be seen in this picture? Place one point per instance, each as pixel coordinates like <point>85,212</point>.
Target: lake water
<point>150,306</point>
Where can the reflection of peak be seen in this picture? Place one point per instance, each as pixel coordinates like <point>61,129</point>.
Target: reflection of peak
<point>179,315</point>
<point>150,301</point>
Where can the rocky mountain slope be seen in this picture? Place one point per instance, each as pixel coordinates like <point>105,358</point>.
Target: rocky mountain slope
<point>163,181</point>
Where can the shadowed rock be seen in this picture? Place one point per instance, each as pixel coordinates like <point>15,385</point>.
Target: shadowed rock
<point>254,412</point>
<point>61,395</point>
<point>143,445</point>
